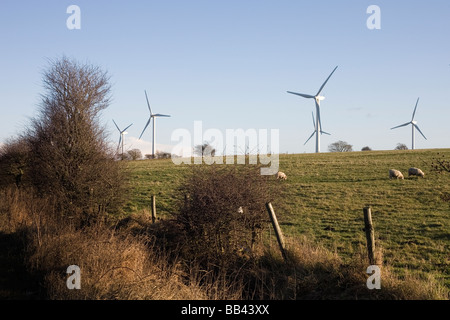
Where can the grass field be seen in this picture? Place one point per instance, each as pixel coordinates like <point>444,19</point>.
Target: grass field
<point>324,197</point>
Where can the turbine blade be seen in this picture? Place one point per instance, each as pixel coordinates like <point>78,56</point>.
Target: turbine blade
<point>415,125</point>
<point>310,137</point>
<point>307,96</point>
<point>321,88</point>
<point>402,125</point>
<point>148,103</point>
<point>414,113</point>
<point>120,140</point>
<point>314,120</point>
<point>148,122</point>
<point>127,128</point>
<point>116,126</point>
<point>160,115</point>
<point>320,126</point>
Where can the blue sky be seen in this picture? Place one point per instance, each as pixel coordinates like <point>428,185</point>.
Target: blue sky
<point>230,63</point>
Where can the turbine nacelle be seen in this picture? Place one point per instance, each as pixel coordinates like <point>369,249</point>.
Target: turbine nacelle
<point>320,98</point>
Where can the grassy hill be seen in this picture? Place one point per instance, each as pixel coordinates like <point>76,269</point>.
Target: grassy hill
<point>324,196</point>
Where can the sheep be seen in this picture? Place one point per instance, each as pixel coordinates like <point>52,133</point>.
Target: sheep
<point>395,174</point>
<point>416,172</point>
<point>281,175</point>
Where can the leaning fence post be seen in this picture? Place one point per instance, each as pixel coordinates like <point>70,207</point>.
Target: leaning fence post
<point>153,209</point>
<point>277,229</point>
<point>370,234</point>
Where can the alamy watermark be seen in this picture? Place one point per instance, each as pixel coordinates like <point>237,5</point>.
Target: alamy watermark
<point>374,21</point>
<point>374,280</point>
<point>74,280</point>
<point>73,22</point>
<point>260,151</point>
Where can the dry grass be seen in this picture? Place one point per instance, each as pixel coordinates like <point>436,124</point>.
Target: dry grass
<point>135,259</point>
<point>113,267</point>
<point>314,273</point>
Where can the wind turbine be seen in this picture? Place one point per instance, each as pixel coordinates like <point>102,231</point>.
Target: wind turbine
<point>122,133</point>
<point>152,116</point>
<point>314,124</point>
<point>414,125</point>
<point>317,98</point>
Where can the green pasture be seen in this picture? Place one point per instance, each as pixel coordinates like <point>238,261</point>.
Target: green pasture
<point>324,196</point>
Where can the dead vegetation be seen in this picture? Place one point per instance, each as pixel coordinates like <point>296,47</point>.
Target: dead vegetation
<point>134,259</point>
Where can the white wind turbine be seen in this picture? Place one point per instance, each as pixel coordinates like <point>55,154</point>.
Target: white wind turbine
<point>414,125</point>
<point>318,126</point>
<point>314,125</point>
<point>152,116</point>
<point>122,133</point>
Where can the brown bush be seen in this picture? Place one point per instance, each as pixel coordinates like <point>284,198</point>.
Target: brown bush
<point>224,212</point>
<point>14,159</point>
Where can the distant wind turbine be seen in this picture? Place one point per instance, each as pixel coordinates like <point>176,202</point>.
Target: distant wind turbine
<point>318,125</point>
<point>414,125</point>
<point>122,133</point>
<point>314,124</point>
<point>152,116</point>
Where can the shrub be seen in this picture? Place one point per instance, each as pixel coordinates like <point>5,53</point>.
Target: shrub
<point>223,213</point>
<point>69,160</point>
<point>14,158</point>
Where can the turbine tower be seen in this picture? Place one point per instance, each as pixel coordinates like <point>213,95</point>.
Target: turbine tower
<point>414,125</point>
<point>153,116</point>
<point>318,126</point>
<point>122,133</point>
<point>314,125</point>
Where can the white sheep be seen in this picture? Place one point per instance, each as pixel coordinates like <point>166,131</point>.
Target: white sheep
<point>395,174</point>
<point>281,175</point>
<point>416,172</point>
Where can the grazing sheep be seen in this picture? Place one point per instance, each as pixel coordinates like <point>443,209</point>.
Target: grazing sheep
<point>395,174</point>
<point>416,172</point>
<point>281,175</point>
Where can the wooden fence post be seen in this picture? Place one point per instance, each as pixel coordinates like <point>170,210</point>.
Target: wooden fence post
<point>153,209</point>
<point>277,229</point>
<point>370,234</point>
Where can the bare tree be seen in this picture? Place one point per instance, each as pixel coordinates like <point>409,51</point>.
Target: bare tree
<point>401,146</point>
<point>340,146</point>
<point>70,159</point>
<point>135,154</point>
<point>204,149</point>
